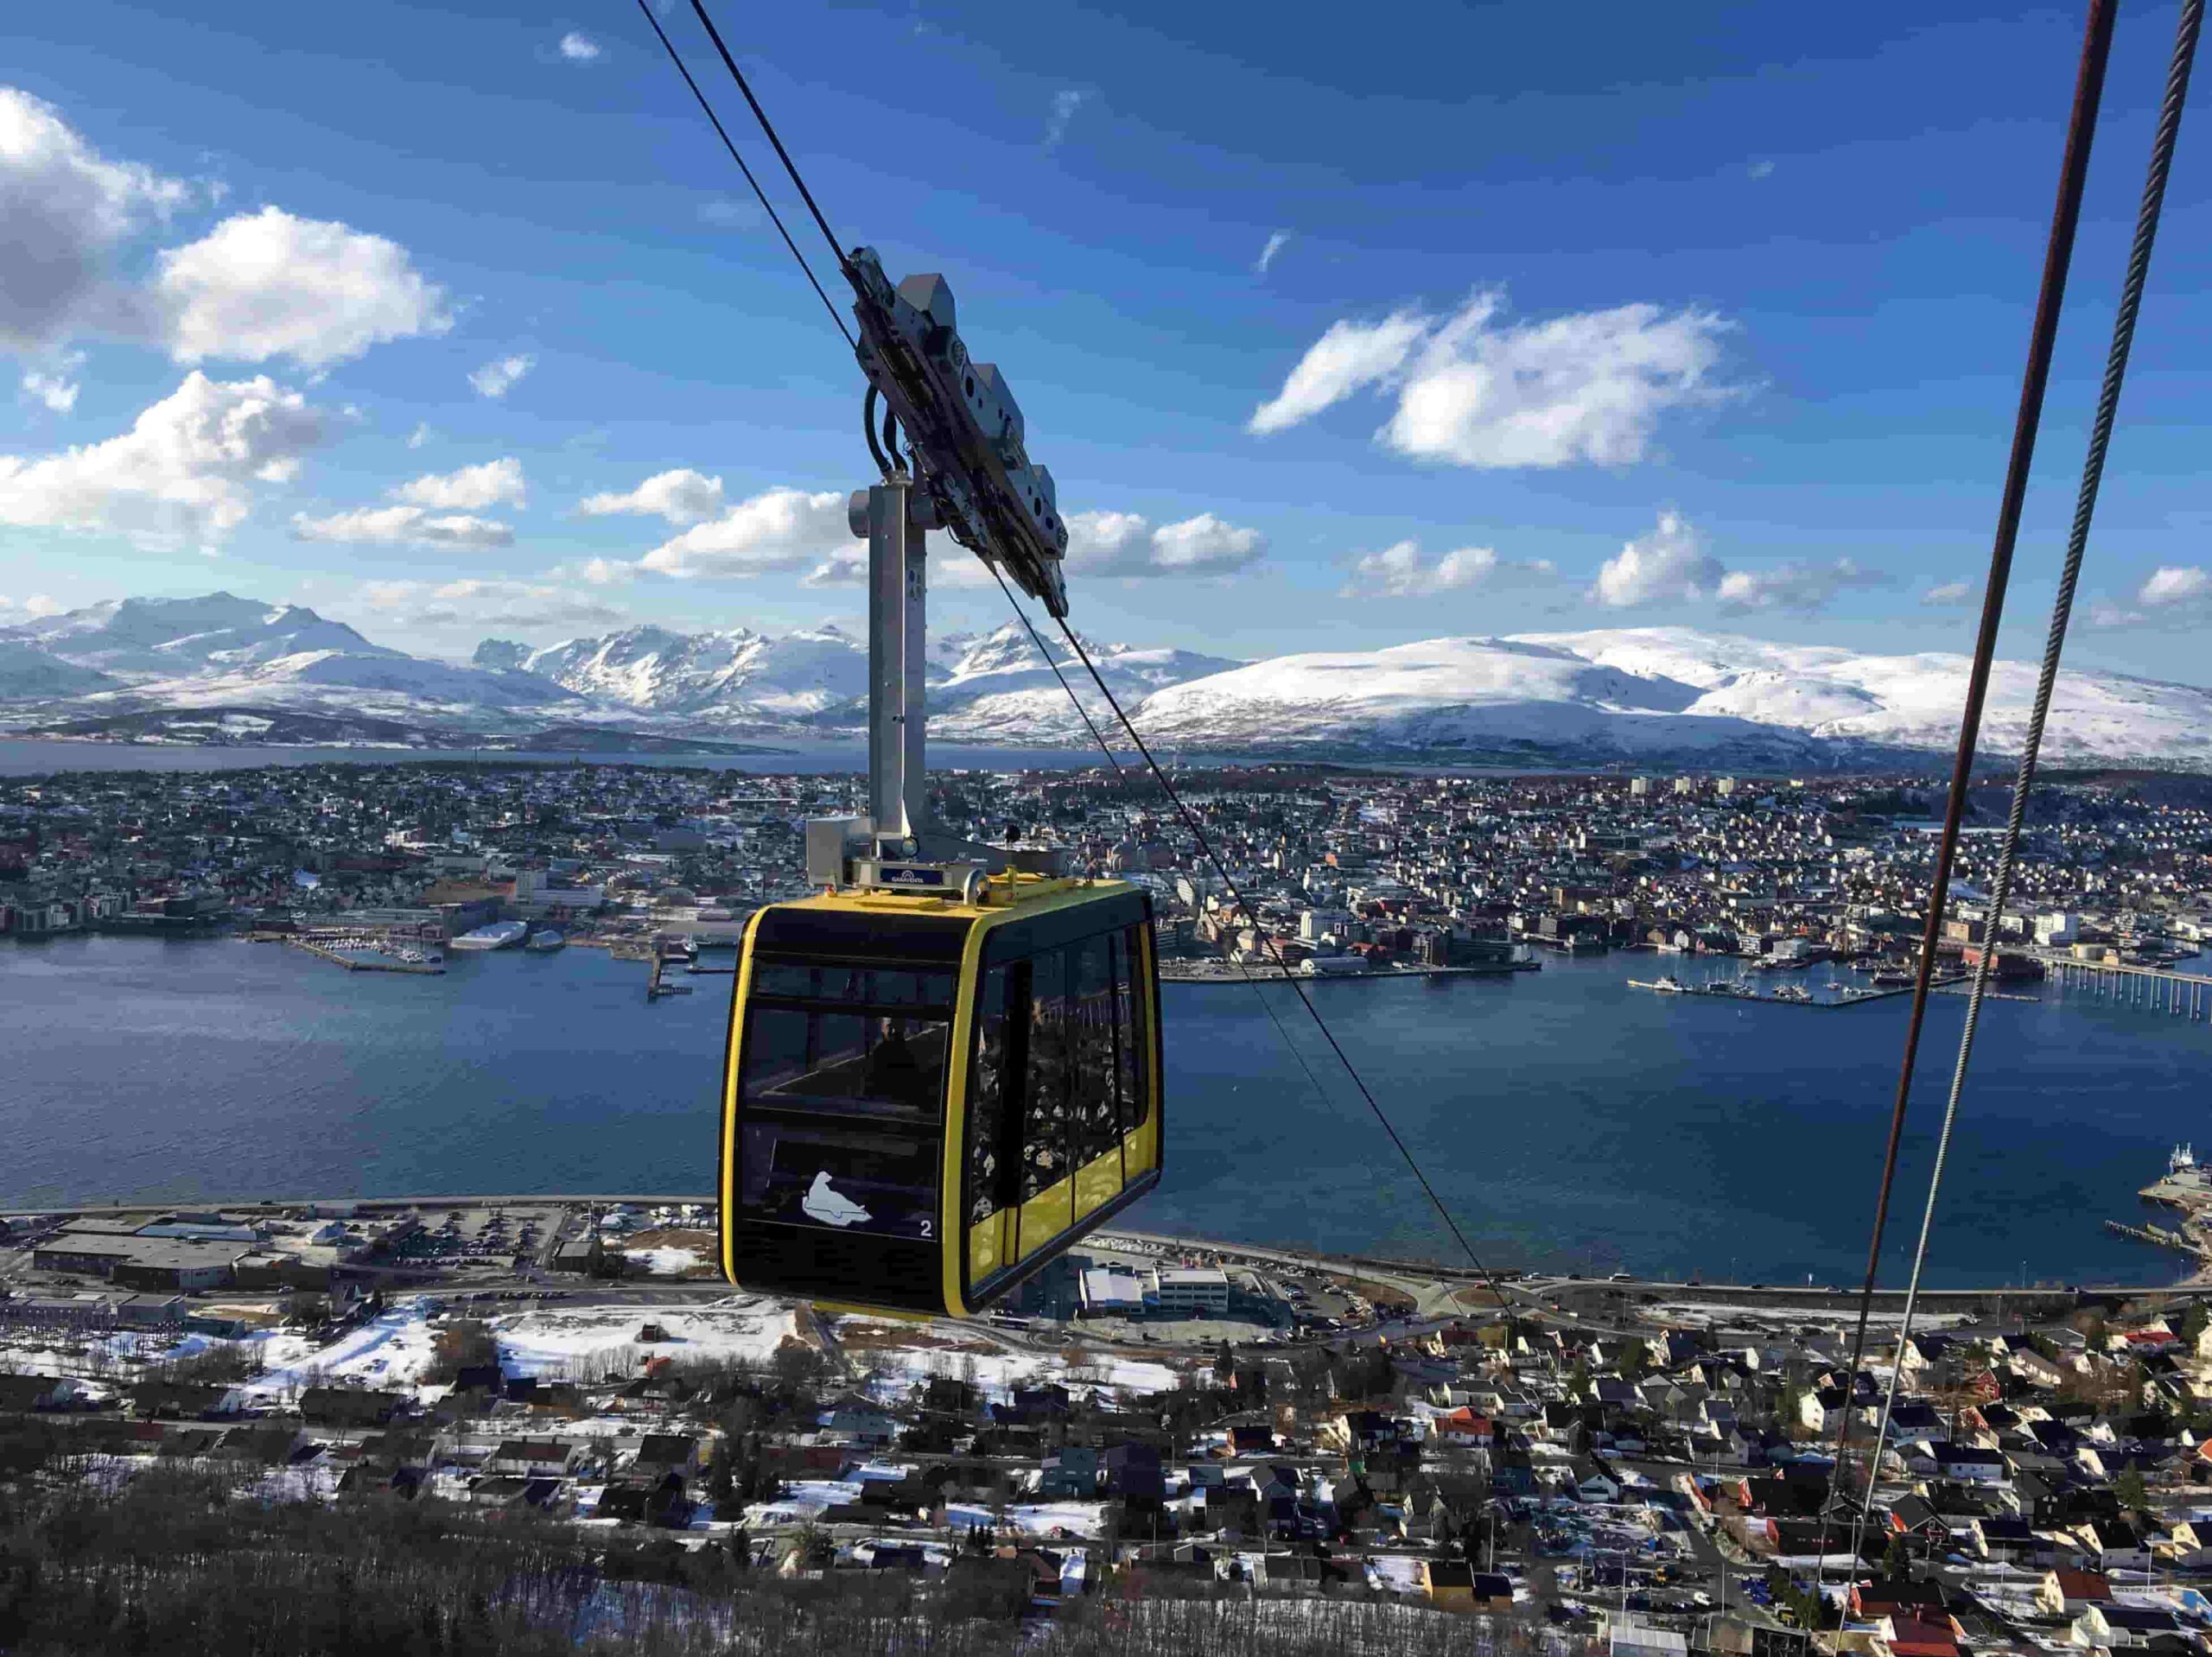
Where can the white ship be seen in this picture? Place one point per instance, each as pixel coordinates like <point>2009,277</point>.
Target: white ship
<point>499,935</point>
<point>545,943</point>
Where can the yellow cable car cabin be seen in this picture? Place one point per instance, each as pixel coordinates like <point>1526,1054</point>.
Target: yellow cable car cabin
<point>926,1099</point>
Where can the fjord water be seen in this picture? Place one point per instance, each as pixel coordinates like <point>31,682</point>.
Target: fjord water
<point>1573,1121</point>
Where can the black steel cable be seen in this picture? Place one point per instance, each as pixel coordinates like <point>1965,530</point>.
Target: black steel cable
<point>1191,822</point>
<point>2088,90</point>
<point>722,132</point>
<point>1122,776</point>
<point>867,430</point>
<point>768,127</point>
<point>1036,638</point>
<point>807,195</point>
<point>2085,506</point>
<point>891,441</point>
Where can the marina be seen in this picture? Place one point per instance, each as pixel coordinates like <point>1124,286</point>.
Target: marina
<point>1741,989</point>
<point>367,958</point>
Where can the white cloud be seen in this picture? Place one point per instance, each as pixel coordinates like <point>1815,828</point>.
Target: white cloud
<point>1064,105</point>
<point>728,213</point>
<point>37,605</point>
<point>183,472</point>
<point>1276,243</point>
<point>487,602</point>
<point>952,568</point>
<point>792,530</point>
<point>498,377</point>
<point>66,207</point>
<point>1401,572</point>
<point>2171,595</point>
<point>607,572</point>
<point>2170,585</point>
<point>267,284</point>
<point>55,388</point>
<point>1350,356</point>
<point>579,48</point>
<point>1947,593</point>
<point>420,436</point>
<point>1668,566</point>
<point>780,529</point>
<point>682,496</point>
<point>470,489</point>
<point>1803,589</point>
<point>1761,169</point>
<point>1671,566</point>
<point>1474,391</point>
<point>1126,545</point>
<point>403,525</point>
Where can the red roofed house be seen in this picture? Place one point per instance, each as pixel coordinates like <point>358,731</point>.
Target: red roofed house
<point>1895,1596</point>
<point>1904,1636</point>
<point>1464,1426</point>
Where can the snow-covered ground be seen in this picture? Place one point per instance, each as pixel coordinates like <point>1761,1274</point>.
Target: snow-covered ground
<point>996,1370</point>
<point>664,1262</point>
<point>391,1349</point>
<point>1036,1518</point>
<point>1844,1309</point>
<point>555,1343</point>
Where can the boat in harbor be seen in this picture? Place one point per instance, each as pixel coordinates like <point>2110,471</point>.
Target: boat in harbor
<point>1792,993</point>
<point>499,935</point>
<point>1893,978</point>
<point>545,943</point>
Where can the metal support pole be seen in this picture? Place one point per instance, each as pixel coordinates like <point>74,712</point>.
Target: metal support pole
<point>898,643</point>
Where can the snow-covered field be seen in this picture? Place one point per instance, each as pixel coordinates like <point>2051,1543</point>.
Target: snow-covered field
<point>664,1262</point>
<point>556,1344</point>
<point>391,1349</point>
<point>1037,1517</point>
<point>997,1371</point>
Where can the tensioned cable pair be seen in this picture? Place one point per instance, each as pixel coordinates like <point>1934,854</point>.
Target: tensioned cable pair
<point>1161,776</point>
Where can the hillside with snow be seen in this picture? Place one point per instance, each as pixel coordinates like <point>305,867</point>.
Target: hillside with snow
<point>230,667</point>
<point>123,661</point>
<point>1670,694</point>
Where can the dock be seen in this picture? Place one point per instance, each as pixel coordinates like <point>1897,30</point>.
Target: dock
<point>656,987</point>
<point>2182,994</point>
<point>2158,1235</point>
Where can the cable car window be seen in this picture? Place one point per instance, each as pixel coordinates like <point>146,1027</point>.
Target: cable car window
<point>987,1101</point>
<point>1043,1128</point>
<point>1133,1054</point>
<point>843,1112</point>
<point>1093,1101</point>
<point>854,985</point>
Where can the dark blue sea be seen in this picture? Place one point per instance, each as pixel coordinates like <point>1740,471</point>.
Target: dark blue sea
<point>1570,1120</point>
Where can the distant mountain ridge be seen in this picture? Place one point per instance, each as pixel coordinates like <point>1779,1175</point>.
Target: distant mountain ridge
<point>1645,696</point>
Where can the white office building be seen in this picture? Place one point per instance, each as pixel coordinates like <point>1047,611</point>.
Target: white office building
<point>1192,1291</point>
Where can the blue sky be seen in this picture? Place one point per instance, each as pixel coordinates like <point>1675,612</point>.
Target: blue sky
<point>1608,317</point>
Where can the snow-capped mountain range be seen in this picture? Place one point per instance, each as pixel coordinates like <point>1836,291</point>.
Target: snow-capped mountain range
<point>226,665</point>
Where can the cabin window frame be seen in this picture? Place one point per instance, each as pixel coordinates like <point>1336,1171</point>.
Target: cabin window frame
<point>1129,1057</point>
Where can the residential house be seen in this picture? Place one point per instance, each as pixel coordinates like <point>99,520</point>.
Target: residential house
<point>2109,1626</point>
<point>533,1457</point>
<point>2069,1593</point>
<point>661,1454</point>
